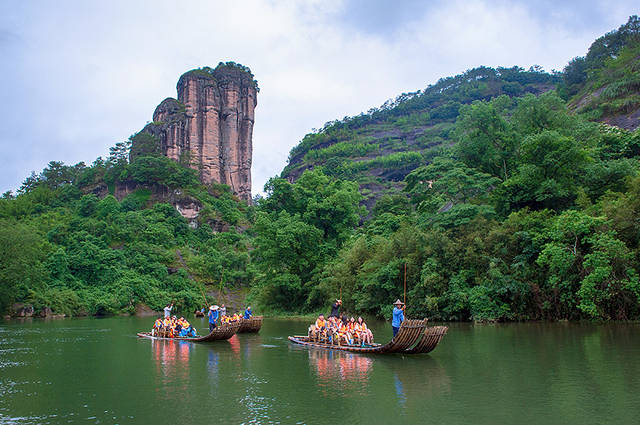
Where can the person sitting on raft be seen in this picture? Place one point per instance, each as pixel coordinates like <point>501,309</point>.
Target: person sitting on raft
<point>166,324</point>
<point>365,334</point>
<point>318,329</point>
<point>186,330</point>
<point>158,328</point>
<point>344,333</point>
<point>247,313</point>
<point>398,316</point>
<point>225,320</point>
<point>183,323</point>
<point>337,331</point>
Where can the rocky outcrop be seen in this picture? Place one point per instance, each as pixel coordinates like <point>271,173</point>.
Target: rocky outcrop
<point>210,125</point>
<point>22,310</point>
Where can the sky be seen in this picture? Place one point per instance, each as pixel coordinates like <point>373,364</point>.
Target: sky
<point>80,76</point>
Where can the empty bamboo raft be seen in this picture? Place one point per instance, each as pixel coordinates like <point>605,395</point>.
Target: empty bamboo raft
<point>218,334</point>
<point>252,325</point>
<point>414,337</point>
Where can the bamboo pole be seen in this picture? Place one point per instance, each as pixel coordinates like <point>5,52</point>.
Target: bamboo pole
<point>220,287</point>
<point>205,297</point>
<point>405,283</point>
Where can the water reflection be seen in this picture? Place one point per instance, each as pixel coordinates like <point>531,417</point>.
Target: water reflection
<point>337,366</point>
<point>402,397</point>
<point>212,365</point>
<point>251,343</point>
<point>171,359</point>
<point>415,378</point>
<point>235,346</point>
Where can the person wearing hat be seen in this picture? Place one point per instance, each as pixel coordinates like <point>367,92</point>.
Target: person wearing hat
<point>335,308</point>
<point>398,316</point>
<point>213,317</point>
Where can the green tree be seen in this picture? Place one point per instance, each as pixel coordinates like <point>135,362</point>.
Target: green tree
<point>550,168</point>
<point>485,139</point>
<point>22,253</point>
<point>299,227</point>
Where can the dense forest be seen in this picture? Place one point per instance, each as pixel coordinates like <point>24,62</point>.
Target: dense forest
<point>66,248</point>
<point>506,192</point>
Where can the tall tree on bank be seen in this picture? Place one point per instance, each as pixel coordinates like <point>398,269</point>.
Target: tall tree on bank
<point>299,227</point>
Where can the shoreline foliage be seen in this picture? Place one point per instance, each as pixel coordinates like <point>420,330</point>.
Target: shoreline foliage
<point>497,189</point>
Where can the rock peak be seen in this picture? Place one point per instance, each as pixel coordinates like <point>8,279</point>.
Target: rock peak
<point>210,124</point>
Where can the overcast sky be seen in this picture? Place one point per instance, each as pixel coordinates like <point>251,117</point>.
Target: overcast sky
<point>80,76</point>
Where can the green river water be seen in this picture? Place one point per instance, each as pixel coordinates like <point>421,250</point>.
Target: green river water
<point>98,371</point>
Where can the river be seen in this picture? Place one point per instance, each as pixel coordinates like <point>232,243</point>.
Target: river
<point>98,371</point>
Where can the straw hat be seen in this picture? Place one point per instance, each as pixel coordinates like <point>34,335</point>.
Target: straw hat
<point>213,307</point>
<point>398,302</point>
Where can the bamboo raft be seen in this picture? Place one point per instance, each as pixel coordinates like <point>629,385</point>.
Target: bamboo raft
<point>218,334</point>
<point>252,325</point>
<point>414,337</point>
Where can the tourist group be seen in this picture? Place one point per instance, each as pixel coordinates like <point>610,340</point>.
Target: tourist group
<point>338,329</point>
<point>171,327</point>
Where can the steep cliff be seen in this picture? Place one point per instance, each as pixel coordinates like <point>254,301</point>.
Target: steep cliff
<point>210,125</point>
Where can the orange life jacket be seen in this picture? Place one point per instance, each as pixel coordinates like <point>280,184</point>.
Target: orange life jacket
<point>320,323</point>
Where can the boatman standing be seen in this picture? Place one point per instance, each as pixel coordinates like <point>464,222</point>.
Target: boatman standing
<point>213,316</point>
<point>248,313</point>
<point>167,310</point>
<point>335,308</point>
<point>398,316</point>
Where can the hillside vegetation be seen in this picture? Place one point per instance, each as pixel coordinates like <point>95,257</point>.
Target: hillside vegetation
<point>504,201</point>
<point>65,248</point>
<point>504,192</point>
<point>605,84</point>
<point>378,149</point>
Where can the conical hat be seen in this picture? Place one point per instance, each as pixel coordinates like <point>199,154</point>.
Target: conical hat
<point>398,302</point>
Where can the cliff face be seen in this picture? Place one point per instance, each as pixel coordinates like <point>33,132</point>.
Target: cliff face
<point>210,125</point>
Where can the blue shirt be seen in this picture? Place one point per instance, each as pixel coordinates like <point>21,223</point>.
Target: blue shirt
<point>213,316</point>
<point>247,314</point>
<point>398,317</point>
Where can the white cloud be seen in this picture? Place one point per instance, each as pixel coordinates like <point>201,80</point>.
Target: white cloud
<point>81,76</point>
